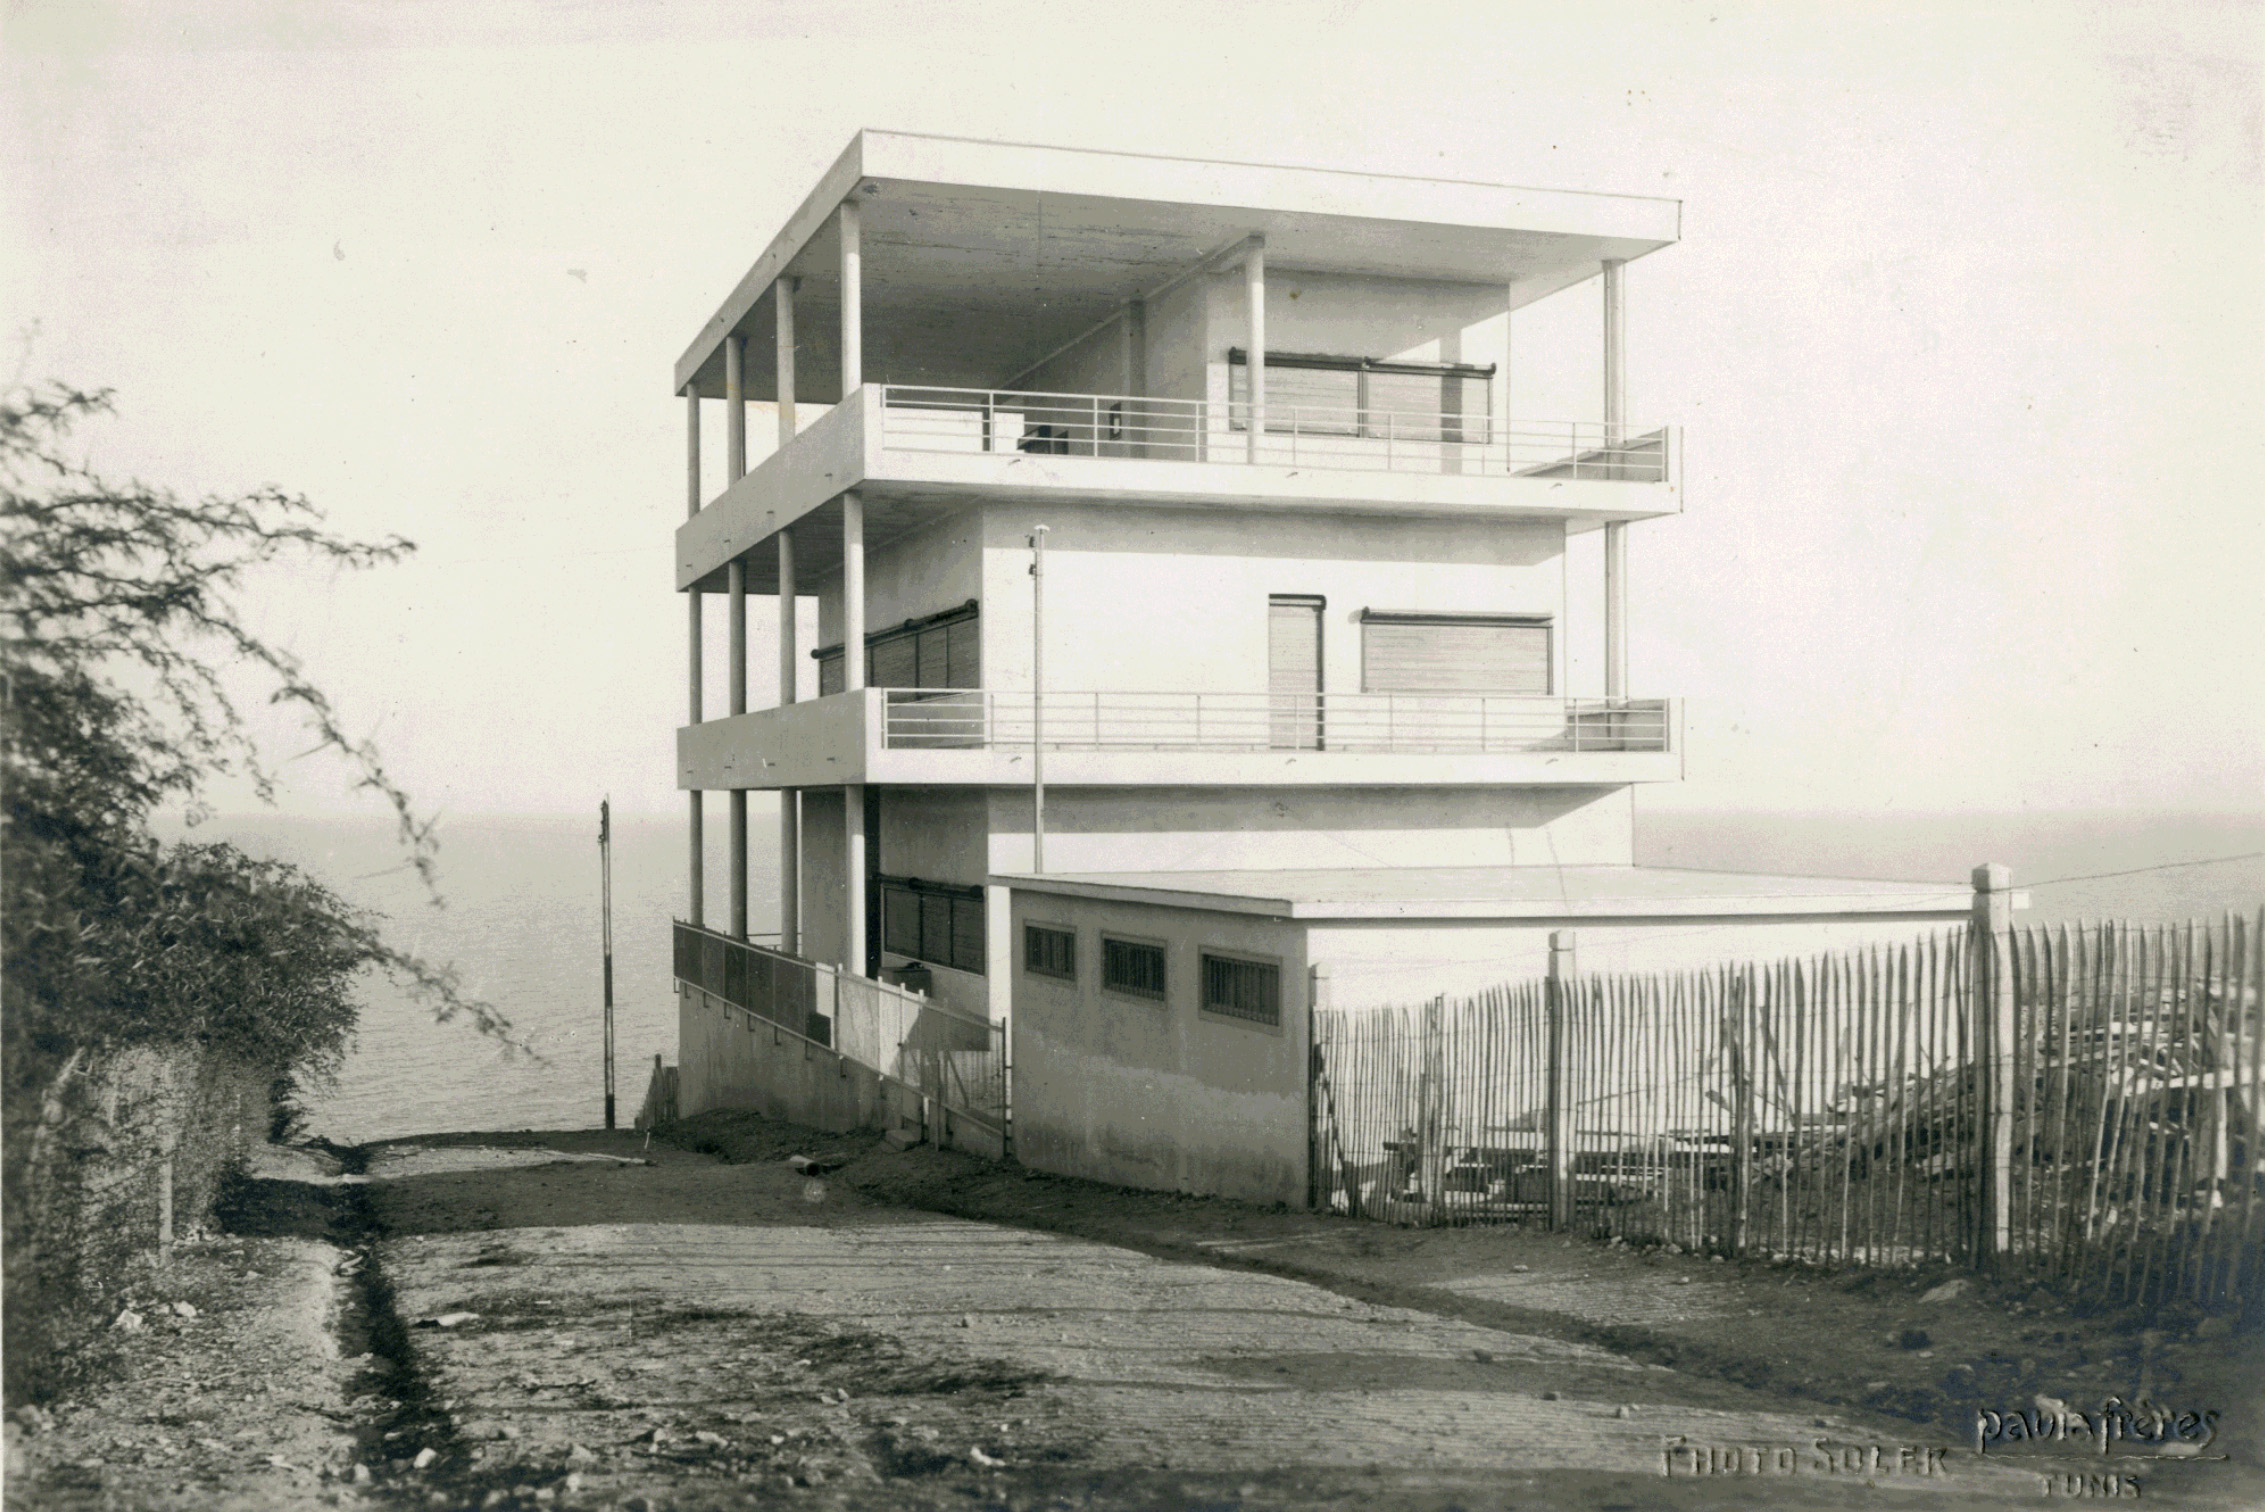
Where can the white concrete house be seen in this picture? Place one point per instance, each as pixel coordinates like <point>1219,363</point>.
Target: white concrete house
<point>1334,631</point>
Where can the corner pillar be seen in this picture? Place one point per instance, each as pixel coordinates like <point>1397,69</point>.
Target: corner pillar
<point>853,297</point>
<point>696,840</point>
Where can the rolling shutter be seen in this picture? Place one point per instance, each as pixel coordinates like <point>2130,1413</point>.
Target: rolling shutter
<point>1411,653</point>
<point>1293,672</point>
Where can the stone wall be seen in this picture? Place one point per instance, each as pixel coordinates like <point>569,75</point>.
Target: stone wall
<point>87,1168</point>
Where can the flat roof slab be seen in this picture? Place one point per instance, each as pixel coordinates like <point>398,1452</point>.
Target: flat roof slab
<point>982,257</point>
<point>1506,892</point>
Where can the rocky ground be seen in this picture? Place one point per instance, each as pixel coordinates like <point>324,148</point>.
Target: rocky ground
<point>590,1320</point>
<point>231,1387</point>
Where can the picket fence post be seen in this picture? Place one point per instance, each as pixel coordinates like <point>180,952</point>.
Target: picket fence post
<point>1557,1137</point>
<point>1990,933</point>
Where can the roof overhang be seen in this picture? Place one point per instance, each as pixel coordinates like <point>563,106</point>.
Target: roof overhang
<point>981,258</point>
<point>1509,893</point>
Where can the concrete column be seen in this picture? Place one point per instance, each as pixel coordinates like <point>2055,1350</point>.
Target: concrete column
<point>853,879</point>
<point>790,870</point>
<point>789,590</point>
<point>782,302</point>
<point>853,299</point>
<point>735,468</point>
<point>1615,432</point>
<point>1254,310</point>
<point>853,591</point>
<point>790,805</point>
<point>1615,354</point>
<point>736,577</point>
<point>1616,609</point>
<point>735,408</point>
<point>1509,349</point>
<point>696,846</point>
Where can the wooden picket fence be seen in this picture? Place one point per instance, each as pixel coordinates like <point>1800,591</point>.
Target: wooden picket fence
<point>2081,1104</point>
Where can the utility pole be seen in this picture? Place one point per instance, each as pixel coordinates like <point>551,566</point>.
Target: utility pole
<point>605,911</point>
<point>1038,698</point>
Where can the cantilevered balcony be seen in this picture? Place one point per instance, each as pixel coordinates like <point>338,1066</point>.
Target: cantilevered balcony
<point>913,453</point>
<point>1362,439</point>
<point>1121,739</point>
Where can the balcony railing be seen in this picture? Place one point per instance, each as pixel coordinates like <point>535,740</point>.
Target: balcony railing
<point>916,418</point>
<point>1399,723</point>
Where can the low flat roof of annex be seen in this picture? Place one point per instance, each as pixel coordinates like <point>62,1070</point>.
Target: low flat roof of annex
<point>979,258</point>
<point>1504,892</point>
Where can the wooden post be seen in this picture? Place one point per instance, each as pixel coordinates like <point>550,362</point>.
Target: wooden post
<point>1994,1055</point>
<point>1430,1095</point>
<point>1557,1137</point>
<point>1740,1054</point>
<point>605,931</point>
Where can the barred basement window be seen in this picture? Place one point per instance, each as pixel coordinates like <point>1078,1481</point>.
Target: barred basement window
<point>1132,968</point>
<point>1242,989</point>
<point>1049,952</point>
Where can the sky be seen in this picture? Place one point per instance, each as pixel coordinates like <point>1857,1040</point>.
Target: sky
<point>1965,331</point>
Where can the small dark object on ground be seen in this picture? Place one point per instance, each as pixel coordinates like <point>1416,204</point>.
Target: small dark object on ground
<point>1915,1338</point>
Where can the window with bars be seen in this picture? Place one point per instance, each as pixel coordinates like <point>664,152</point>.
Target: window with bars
<point>941,651</point>
<point>1360,396</point>
<point>1132,968</point>
<point>933,922</point>
<point>1242,988</point>
<point>1049,952</point>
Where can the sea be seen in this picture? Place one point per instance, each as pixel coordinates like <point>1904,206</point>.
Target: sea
<point>519,918</point>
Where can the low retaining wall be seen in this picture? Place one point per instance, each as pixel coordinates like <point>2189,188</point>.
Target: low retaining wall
<point>113,1154</point>
<point>731,1058</point>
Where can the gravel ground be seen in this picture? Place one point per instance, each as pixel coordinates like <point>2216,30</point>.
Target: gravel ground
<point>597,1320</point>
<point>240,1403</point>
<point>699,1335</point>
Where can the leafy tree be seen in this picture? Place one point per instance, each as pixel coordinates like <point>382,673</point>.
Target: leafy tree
<point>120,643</point>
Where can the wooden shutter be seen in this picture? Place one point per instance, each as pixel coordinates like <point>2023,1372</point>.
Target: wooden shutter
<point>894,663</point>
<point>1454,654</point>
<point>932,664</point>
<point>963,665</point>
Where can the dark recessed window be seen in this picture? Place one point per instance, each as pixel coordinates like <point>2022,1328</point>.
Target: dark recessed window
<point>1049,952</point>
<point>1133,968</point>
<point>941,651</point>
<point>933,922</point>
<point>1242,989</point>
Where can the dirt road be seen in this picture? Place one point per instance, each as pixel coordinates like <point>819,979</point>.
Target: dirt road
<point>759,1334</point>
<point>582,1320</point>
